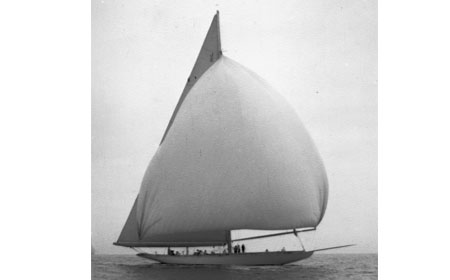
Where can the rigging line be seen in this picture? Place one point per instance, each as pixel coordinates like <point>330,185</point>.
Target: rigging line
<point>294,231</point>
<point>314,239</point>
<point>301,242</point>
<point>137,250</point>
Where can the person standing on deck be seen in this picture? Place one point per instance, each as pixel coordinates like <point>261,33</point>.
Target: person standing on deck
<point>243,248</point>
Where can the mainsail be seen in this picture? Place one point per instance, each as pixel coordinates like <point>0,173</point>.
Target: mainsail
<point>210,52</point>
<point>235,155</point>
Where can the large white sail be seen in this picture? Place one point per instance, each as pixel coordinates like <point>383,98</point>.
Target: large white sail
<point>235,155</point>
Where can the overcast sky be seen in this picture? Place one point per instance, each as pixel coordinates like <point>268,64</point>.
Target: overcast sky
<point>320,55</point>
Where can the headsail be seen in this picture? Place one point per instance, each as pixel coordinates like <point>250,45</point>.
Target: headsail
<point>129,236</point>
<point>130,230</point>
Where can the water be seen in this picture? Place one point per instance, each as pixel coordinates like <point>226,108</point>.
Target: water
<point>319,266</point>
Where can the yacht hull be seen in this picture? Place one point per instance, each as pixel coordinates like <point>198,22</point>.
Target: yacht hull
<point>263,258</point>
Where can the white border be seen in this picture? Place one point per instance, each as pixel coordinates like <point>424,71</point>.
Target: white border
<point>413,139</point>
<point>45,120</point>
<point>45,141</point>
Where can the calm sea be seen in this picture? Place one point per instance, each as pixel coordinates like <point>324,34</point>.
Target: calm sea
<point>319,266</point>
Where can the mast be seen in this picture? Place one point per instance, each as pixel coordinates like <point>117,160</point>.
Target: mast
<point>229,241</point>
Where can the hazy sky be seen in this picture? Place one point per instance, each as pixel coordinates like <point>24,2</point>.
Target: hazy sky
<point>320,55</point>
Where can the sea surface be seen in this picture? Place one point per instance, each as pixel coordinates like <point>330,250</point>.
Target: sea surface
<point>319,266</point>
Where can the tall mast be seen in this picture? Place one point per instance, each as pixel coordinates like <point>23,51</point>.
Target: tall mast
<point>229,241</point>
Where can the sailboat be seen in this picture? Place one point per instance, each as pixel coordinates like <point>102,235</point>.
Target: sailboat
<point>234,156</point>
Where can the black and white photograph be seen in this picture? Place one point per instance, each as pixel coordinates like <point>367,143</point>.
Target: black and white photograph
<point>224,139</point>
<point>234,140</point>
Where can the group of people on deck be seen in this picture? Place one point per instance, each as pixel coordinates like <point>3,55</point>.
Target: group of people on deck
<point>172,252</point>
<point>239,249</point>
